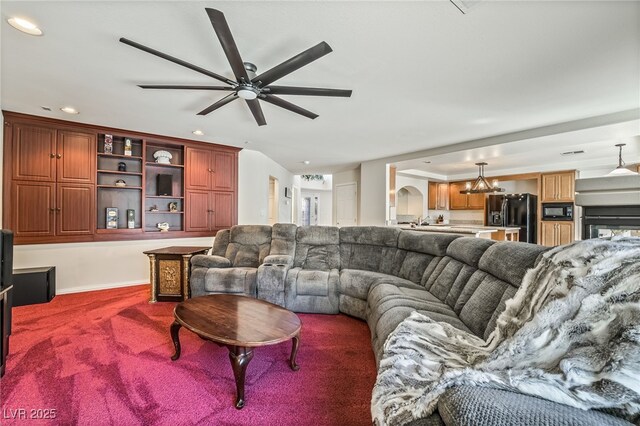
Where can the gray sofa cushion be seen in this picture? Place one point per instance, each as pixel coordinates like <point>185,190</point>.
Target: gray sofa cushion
<point>248,245</point>
<point>469,250</point>
<point>220,242</point>
<point>312,291</point>
<point>207,261</point>
<point>509,261</point>
<point>317,247</point>
<point>427,243</point>
<point>240,280</point>
<point>356,283</point>
<point>474,405</point>
<point>283,239</point>
<point>369,248</point>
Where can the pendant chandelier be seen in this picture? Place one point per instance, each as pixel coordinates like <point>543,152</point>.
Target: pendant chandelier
<point>621,170</point>
<point>481,186</point>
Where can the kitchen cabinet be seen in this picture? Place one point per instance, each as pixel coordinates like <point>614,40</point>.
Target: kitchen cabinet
<point>556,233</point>
<point>458,201</point>
<point>438,195</point>
<point>558,187</point>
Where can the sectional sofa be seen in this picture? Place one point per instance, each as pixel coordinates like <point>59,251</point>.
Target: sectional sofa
<point>381,275</point>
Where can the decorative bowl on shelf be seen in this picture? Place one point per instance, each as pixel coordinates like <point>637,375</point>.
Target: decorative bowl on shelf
<point>163,226</point>
<point>162,157</point>
<point>120,182</point>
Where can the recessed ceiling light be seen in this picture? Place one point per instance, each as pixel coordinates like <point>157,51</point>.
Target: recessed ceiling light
<point>25,26</point>
<point>306,161</point>
<point>69,110</point>
<point>198,132</point>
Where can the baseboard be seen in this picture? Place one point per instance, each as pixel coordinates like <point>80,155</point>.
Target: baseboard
<point>83,289</point>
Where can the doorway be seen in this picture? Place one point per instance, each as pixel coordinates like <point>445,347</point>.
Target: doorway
<point>347,204</point>
<point>273,200</point>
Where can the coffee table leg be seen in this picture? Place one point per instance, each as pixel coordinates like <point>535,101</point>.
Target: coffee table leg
<point>175,328</point>
<point>295,342</point>
<point>240,357</point>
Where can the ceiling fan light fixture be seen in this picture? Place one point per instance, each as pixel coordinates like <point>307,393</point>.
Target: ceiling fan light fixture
<point>247,92</point>
<point>481,185</point>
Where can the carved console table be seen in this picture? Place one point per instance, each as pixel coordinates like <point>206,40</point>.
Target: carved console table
<point>169,269</point>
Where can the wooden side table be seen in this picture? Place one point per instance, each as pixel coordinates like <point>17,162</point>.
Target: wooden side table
<point>169,270</point>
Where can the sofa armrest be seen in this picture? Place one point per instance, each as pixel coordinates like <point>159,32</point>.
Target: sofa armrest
<point>278,260</point>
<point>271,278</point>
<point>207,261</point>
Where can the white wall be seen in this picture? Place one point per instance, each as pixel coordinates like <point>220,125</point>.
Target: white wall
<point>254,169</point>
<point>91,266</point>
<point>347,176</point>
<point>421,184</point>
<point>374,203</point>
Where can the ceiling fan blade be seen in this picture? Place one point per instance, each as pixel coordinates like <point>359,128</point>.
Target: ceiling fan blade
<point>182,87</point>
<point>306,91</point>
<point>228,44</point>
<point>221,102</point>
<point>256,110</point>
<point>290,65</point>
<point>176,61</point>
<point>288,105</point>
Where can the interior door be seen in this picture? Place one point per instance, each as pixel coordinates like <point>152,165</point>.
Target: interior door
<point>34,153</point>
<point>347,204</point>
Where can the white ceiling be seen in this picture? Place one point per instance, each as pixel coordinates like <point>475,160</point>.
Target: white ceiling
<point>423,74</point>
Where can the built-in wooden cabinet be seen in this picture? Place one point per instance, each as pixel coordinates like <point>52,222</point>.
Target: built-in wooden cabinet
<point>556,233</point>
<point>458,201</point>
<point>558,187</point>
<point>438,195</point>
<point>59,181</point>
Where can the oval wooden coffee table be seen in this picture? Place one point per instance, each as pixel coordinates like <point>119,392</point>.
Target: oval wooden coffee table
<point>240,323</point>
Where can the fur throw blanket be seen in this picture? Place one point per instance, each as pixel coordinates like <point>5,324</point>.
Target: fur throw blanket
<point>571,334</point>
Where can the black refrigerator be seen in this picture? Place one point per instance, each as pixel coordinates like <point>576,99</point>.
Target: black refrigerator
<point>516,210</point>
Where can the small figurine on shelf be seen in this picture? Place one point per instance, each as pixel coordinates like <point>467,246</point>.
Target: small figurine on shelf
<point>162,157</point>
<point>173,207</point>
<point>121,182</point>
<point>127,146</point>
<point>131,218</point>
<point>153,208</point>
<point>122,167</point>
<point>163,226</point>
<point>112,218</point>
<point>108,144</point>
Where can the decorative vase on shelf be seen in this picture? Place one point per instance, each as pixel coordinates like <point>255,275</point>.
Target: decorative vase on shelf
<point>162,157</point>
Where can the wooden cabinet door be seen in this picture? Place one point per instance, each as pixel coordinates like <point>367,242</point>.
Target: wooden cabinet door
<point>34,152</point>
<point>76,157</point>
<point>198,168</point>
<point>549,188</point>
<point>75,209</point>
<point>475,201</point>
<point>443,196</point>
<point>222,206</point>
<point>548,234</point>
<point>197,211</point>
<point>564,233</point>
<point>223,171</point>
<point>432,195</point>
<point>457,201</point>
<point>33,209</point>
<point>566,186</point>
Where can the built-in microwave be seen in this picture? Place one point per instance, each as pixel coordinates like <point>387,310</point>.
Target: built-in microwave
<point>557,211</point>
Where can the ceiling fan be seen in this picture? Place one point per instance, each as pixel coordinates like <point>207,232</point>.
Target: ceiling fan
<point>247,85</point>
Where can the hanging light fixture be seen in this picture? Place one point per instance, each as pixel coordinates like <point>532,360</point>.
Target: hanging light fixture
<point>621,170</point>
<point>481,186</point>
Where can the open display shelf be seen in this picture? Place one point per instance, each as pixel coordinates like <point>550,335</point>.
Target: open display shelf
<point>172,173</point>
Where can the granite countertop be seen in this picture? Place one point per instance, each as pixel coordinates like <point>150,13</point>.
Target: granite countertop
<point>462,229</point>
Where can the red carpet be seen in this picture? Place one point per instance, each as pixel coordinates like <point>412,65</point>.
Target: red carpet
<point>103,358</point>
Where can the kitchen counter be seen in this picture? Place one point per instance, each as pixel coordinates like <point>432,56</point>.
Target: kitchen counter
<point>499,233</point>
